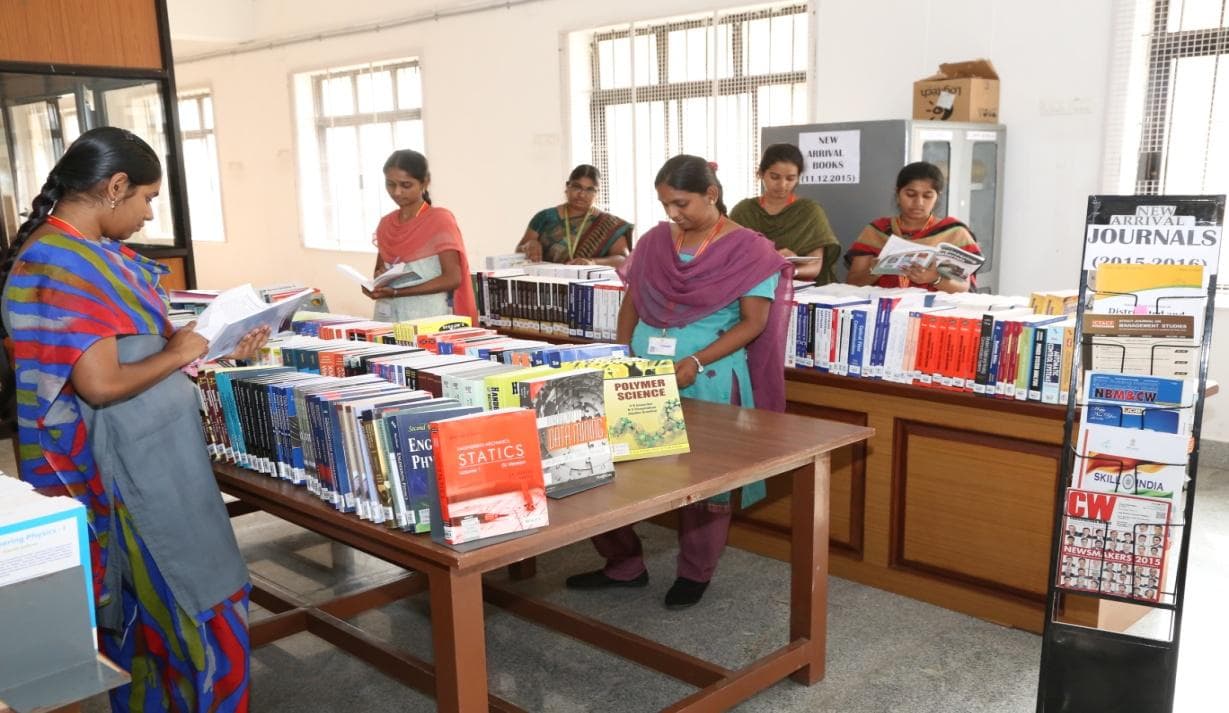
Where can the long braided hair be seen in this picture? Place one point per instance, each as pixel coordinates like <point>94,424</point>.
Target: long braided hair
<point>92,159</point>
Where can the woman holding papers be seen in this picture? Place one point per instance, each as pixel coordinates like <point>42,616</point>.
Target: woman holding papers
<point>918,186</point>
<point>424,242</point>
<point>106,415</point>
<point>797,226</point>
<point>576,232</point>
<point>713,297</point>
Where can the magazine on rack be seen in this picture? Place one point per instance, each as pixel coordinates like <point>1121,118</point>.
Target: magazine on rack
<point>898,255</point>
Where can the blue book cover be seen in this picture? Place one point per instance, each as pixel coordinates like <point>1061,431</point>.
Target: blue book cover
<point>857,340</point>
<point>418,459</point>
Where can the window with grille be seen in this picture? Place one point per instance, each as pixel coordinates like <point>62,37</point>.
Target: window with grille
<point>1181,49</point>
<point>200,157</point>
<point>349,120</point>
<point>702,85</point>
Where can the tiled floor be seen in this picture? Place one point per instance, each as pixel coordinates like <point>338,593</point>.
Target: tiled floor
<point>886,653</point>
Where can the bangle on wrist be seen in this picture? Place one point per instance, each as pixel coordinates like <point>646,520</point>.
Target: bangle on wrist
<point>937,281</point>
<point>696,359</point>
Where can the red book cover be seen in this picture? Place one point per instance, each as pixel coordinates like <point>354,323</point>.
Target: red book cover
<point>488,470</point>
<point>1010,354</point>
<point>970,333</point>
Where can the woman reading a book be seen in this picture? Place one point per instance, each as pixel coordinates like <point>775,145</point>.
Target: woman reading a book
<point>425,241</point>
<point>106,415</point>
<point>918,186</point>
<point>576,232</point>
<point>713,297</point>
<point>797,226</point>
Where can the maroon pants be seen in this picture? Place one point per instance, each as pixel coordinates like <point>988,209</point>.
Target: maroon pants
<point>702,535</point>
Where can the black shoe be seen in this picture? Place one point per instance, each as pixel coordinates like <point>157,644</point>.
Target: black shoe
<point>685,593</point>
<point>597,579</point>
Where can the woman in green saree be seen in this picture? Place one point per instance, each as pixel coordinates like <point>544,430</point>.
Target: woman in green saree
<point>577,232</point>
<point>798,226</point>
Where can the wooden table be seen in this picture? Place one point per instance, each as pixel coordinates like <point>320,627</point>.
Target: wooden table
<point>730,447</point>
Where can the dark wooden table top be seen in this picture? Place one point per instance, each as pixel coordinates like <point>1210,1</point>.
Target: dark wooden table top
<point>730,447</point>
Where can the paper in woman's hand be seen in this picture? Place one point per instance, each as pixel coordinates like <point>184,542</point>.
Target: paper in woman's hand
<point>238,311</point>
<point>396,272</point>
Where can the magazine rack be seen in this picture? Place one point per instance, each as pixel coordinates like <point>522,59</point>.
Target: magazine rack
<point>1085,669</point>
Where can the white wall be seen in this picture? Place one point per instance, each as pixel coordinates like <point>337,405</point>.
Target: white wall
<point>497,139</point>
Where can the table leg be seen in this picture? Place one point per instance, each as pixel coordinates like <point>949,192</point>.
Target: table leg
<point>460,641</point>
<point>808,613</point>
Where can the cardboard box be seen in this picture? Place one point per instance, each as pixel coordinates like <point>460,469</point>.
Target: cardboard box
<point>962,91</point>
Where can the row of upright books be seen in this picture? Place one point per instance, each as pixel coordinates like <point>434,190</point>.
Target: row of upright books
<point>450,433</point>
<point>579,301</point>
<point>1126,498</point>
<point>984,344</point>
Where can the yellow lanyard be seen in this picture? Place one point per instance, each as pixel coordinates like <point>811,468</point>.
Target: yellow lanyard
<point>567,230</point>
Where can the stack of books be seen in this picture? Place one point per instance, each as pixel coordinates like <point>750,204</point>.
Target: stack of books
<point>364,424</point>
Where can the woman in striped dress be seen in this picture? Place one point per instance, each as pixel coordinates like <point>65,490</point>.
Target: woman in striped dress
<point>106,415</point>
<point>918,186</point>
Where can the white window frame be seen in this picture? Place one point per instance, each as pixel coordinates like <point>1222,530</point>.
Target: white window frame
<point>317,213</point>
<point>207,134</point>
<point>589,100</point>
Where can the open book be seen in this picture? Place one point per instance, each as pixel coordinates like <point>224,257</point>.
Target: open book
<point>396,272</point>
<point>238,311</point>
<point>899,254</point>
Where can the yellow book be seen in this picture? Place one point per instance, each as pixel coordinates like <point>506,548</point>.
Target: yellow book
<point>644,415</point>
<point>501,388</point>
<point>439,323</point>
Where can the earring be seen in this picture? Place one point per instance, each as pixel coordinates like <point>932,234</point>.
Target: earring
<point>114,203</point>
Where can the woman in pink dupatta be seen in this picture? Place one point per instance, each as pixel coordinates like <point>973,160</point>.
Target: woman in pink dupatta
<point>714,297</point>
<point>426,240</point>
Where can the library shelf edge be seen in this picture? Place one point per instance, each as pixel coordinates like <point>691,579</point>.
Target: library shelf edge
<point>730,447</point>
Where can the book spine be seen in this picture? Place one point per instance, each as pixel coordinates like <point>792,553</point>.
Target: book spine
<point>1037,371</point>
<point>791,336</point>
<point>1052,360</point>
<point>985,349</point>
<point>1068,357</point>
<point>857,340</point>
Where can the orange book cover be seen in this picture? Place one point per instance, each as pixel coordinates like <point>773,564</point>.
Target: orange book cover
<point>949,346</point>
<point>430,340</point>
<point>489,480</point>
<point>925,332</point>
<point>966,364</point>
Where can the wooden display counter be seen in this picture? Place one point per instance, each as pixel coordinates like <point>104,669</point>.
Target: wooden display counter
<point>950,502</point>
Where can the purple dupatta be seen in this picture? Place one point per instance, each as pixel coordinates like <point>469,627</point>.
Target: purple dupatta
<point>668,292</point>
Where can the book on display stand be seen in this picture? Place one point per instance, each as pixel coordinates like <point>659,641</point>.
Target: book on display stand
<point>1126,486</point>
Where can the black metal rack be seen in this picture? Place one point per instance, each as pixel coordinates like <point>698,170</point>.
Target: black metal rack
<point>1087,669</point>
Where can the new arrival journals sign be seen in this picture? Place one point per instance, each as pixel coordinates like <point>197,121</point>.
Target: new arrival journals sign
<point>1154,230</point>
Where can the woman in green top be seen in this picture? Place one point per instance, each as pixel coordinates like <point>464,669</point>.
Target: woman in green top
<point>797,226</point>
<point>577,233</point>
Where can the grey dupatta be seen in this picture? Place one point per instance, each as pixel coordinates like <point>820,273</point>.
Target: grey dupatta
<point>151,449</point>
